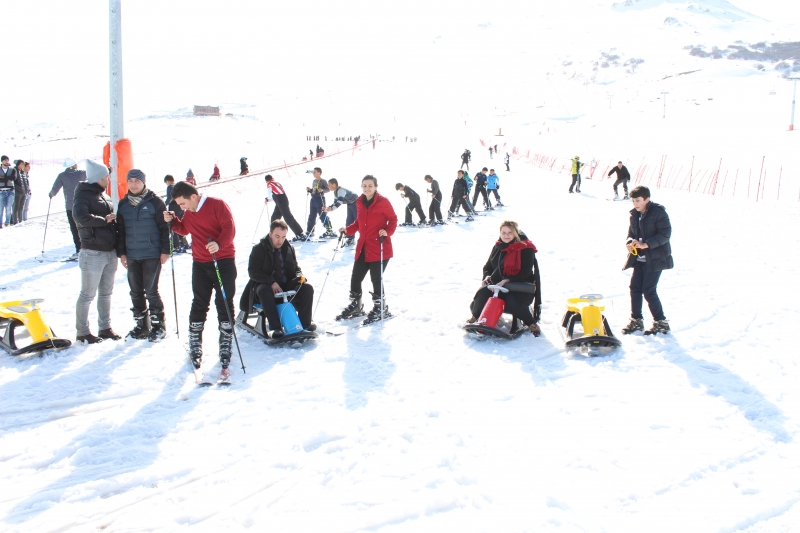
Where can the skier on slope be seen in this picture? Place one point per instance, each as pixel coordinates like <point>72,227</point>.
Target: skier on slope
<point>276,194</point>
<point>435,209</point>
<point>576,174</point>
<point>342,196</point>
<point>480,188</point>
<point>376,218</point>
<point>142,247</point>
<point>493,185</point>
<point>207,218</point>
<point>69,180</point>
<point>465,157</point>
<point>460,197</point>
<point>507,161</point>
<point>317,191</point>
<point>622,177</point>
<point>414,203</point>
<point>649,233</point>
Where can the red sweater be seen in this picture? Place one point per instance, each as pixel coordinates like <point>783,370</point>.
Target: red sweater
<point>213,220</point>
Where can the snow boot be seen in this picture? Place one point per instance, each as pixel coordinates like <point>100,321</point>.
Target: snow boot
<point>354,308</point>
<point>636,324</point>
<point>88,339</point>
<point>196,343</point>
<point>157,329</point>
<point>375,314</point>
<point>108,334</point>
<point>659,326</point>
<point>225,343</point>
<point>142,328</point>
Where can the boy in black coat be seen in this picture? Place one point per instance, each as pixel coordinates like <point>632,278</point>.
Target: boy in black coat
<point>413,204</point>
<point>460,197</point>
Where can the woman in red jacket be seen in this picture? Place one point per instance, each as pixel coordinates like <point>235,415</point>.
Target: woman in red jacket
<point>375,219</point>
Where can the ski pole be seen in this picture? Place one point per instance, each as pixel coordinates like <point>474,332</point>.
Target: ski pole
<point>336,249</point>
<point>46,220</point>
<point>174,290</point>
<point>253,240</point>
<point>228,309</point>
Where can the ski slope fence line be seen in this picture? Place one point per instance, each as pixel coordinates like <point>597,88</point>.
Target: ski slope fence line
<point>233,178</point>
<point>682,175</point>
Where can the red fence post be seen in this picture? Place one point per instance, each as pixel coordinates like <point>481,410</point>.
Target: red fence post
<point>758,190</point>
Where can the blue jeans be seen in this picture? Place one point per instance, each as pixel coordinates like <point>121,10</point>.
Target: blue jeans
<point>7,204</point>
<point>315,210</point>
<point>97,273</point>
<point>25,207</point>
<point>644,283</point>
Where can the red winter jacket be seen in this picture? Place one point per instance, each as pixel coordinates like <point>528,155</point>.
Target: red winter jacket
<point>369,221</point>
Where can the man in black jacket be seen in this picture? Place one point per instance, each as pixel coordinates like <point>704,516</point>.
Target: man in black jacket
<point>142,247</point>
<point>622,177</point>
<point>273,268</point>
<point>96,223</point>
<point>480,188</point>
<point>414,204</point>
<point>459,197</point>
<point>435,209</point>
<point>650,253</point>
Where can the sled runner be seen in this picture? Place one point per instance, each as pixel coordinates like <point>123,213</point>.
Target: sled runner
<point>597,337</point>
<point>254,322</point>
<point>488,323</point>
<point>24,329</point>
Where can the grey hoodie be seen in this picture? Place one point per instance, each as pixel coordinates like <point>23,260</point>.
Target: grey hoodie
<point>69,179</point>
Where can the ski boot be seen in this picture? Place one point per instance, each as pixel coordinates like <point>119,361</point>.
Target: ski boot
<point>157,329</point>
<point>350,241</point>
<point>354,308</point>
<point>142,328</point>
<point>625,197</point>
<point>225,343</point>
<point>375,314</point>
<point>659,326</point>
<point>329,234</point>
<point>469,218</point>
<point>422,223</point>
<point>636,324</point>
<point>406,224</point>
<point>616,197</point>
<point>299,238</point>
<point>499,204</point>
<point>196,343</point>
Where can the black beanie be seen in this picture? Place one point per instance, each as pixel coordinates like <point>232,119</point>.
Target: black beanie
<point>136,174</point>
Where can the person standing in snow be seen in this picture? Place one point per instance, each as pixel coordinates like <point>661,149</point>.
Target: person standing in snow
<point>27,180</point>
<point>244,170</point>
<point>465,157</point>
<point>491,151</point>
<point>480,188</point>
<point>622,177</point>
<point>20,191</point>
<point>317,191</point>
<point>513,258</point>
<point>69,180</point>
<point>210,222</point>
<point>460,197</point>
<point>8,180</point>
<point>342,196</point>
<point>508,162</point>
<point>376,218</point>
<point>94,216</point>
<point>576,174</point>
<point>142,247</point>
<point>214,175</point>
<point>414,204</point>
<point>190,177</point>
<point>435,209</point>
<point>276,194</point>
<point>492,186</point>
<point>179,243</point>
<point>650,253</point>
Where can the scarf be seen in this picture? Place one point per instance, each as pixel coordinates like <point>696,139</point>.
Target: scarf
<point>513,261</point>
<point>134,199</point>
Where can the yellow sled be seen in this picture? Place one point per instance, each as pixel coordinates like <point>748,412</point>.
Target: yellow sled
<point>596,332</point>
<point>23,329</point>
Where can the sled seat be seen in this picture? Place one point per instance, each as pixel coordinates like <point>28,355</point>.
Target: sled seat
<point>576,305</point>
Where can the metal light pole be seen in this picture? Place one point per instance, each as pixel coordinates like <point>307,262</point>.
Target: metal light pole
<point>115,87</point>
<point>664,94</point>
<point>794,97</point>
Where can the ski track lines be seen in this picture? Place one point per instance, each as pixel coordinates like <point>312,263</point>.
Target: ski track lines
<point>411,425</point>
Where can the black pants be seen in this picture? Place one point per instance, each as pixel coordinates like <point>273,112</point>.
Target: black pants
<point>282,210</point>
<point>482,191</point>
<point>463,202</point>
<point>204,280</point>
<point>518,304</point>
<point>576,179</point>
<point>644,283</point>
<point>414,205</point>
<point>269,305</point>
<point>74,229</point>
<point>143,275</point>
<point>464,163</point>
<point>624,183</point>
<point>360,269</point>
<point>435,209</point>
<point>19,205</point>
<point>508,168</point>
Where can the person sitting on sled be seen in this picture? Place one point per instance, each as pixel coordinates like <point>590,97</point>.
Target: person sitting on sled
<point>513,258</point>
<point>273,268</point>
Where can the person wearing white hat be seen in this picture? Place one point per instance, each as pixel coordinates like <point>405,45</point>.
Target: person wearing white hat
<point>69,180</point>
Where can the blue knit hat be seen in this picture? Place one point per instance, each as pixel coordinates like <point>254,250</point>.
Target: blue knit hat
<point>136,174</point>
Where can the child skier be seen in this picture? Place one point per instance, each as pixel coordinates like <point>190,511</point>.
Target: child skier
<point>317,191</point>
<point>492,185</point>
<point>210,222</point>
<point>413,204</point>
<point>346,197</point>
<point>460,197</point>
<point>275,193</point>
<point>480,188</point>
<point>435,209</point>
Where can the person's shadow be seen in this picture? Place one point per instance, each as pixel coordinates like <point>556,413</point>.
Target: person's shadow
<point>368,366</point>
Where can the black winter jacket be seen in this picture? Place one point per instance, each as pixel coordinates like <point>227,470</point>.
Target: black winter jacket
<point>480,179</point>
<point>459,188</point>
<point>142,232</point>
<point>411,194</point>
<point>656,232</point>
<point>262,265</point>
<point>89,209</point>
<point>622,173</point>
<point>528,273</point>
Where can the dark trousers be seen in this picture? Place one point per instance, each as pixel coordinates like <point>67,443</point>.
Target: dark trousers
<point>74,229</point>
<point>360,269</point>
<point>624,183</point>
<point>463,202</point>
<point>282,210</point>
<point>19,206</point>
<point>518,304</point>
<point>482,192</point>
<point>435,209</point>
<point>508,168</point>
<point>315,210</point>
<point>576,179</point>
<point>352,213</point>
<point>496,194</point>
<point>143,275</point>
<point>204,280</point>
<point>644,283</point>
<point>414,205</point>
<point>269,305</point>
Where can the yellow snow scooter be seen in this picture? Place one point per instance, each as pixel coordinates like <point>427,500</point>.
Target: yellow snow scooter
<point>597,338</point>
<point>24,330</point>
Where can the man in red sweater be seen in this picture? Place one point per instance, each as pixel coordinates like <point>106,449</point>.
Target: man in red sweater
<point>210,222</point>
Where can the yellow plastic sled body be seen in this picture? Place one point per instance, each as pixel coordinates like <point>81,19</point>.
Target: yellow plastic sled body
<point>597,334</point>
<point>23,328</point>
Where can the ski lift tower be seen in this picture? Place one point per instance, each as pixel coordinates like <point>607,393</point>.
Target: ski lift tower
<point>794,97</point>
<point>115,88</point>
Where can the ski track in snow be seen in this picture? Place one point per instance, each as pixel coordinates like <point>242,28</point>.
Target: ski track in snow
<point>412,425</point>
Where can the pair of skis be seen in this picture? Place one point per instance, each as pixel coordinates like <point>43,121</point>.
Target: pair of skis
<point>205,379</point>
<point>340,330</point>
